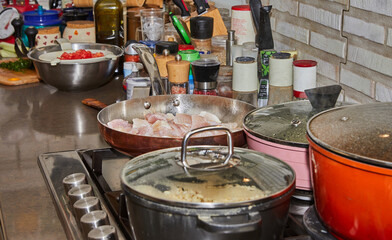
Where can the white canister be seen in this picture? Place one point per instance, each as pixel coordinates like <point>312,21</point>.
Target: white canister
<point>281,70</point>
<point>242,24</point>
<point>80,31</point>
<point>47,36</point>
<point>304,77</point>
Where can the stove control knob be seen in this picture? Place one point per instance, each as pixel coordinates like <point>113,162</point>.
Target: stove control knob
<point>105,232</point>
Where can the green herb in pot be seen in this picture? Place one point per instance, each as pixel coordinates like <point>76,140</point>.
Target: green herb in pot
<point>19,66</point>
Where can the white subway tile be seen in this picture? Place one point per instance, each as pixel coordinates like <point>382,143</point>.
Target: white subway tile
<point>293,31</point>
<point>327,44</point>
<point>379,6</point>
<point>355,81</point>
<point>389,40</point>
<point>320,15</point>
<point>289,6</point>
<point>359,27</point>
<point>369,59</point>
<point>383,93</point>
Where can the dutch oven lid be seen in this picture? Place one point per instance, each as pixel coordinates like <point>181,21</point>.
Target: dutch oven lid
<point>248,177</point>
<point>283,123</point>
<point>360,132</point>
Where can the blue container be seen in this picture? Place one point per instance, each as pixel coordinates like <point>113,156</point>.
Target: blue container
<point>40,18</point>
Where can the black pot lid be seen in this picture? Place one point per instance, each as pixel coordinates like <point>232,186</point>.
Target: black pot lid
<point>249,177</point>
<point>360,132</point>
<point>283,123</point>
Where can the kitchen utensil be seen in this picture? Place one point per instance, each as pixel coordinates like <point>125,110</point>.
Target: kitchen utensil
<point>265,35</point>
<point>157,85</point>
<point>183,188</point>
<point>180,29</point>
<point>76,75</point>
<point>201,6</point>
<point>280,131</point>
<point>323,97</point>
<point>229,110</point>
<point>6,17</point>
<point>255,8</point>
<point>351,162</point>
<point>184,9</point>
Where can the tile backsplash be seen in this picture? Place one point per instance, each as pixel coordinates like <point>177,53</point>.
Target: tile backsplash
<point>350,39</point>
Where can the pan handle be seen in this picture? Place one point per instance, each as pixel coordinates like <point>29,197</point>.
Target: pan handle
<point>249,222</point>
<point>185,140</point>
<point>94,103</point>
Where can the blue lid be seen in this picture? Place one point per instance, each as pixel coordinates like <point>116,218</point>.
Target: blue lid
<point>42,17</point>
<point>150,44</point>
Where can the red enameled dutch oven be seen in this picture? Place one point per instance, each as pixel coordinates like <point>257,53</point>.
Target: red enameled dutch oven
<point>351,169</point>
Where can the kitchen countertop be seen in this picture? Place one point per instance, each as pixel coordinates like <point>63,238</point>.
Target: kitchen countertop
<point>35,119</point>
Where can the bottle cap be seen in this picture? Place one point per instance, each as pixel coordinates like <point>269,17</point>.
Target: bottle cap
<point>201,27</point>
<point>162,45</point>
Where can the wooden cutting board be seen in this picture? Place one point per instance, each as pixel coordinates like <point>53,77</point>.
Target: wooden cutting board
<point>12,78</point>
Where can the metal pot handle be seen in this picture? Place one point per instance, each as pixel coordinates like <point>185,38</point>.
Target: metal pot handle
<point>185,140</point>
<point>225,224</point>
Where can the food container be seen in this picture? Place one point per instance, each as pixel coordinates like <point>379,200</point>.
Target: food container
<point>280,130</point>
<point>207,192</point>
<point>351,162</point>
<point>76,75</point>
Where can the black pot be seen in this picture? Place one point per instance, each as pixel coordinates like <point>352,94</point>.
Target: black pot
<point>168,197</point>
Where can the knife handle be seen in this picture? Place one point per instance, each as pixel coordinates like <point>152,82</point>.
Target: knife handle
<point>183,8</point>
<point>201,6</point>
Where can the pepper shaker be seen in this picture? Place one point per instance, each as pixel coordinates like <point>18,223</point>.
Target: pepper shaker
<point>178,71</point>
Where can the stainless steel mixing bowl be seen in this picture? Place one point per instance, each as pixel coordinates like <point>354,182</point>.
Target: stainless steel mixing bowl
<point>77,75</point>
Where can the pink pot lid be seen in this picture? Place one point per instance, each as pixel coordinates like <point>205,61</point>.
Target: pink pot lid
<point>283,123</point>
<point>361,132</point>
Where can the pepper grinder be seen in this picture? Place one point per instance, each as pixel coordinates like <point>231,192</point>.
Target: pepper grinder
<point>178,71</point>
<point>31,32</point>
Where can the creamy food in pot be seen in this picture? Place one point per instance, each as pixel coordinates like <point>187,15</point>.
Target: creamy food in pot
<point>169,125</point>
<point>209,190</point>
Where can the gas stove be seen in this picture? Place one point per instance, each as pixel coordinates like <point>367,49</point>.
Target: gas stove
<point>102,167</point>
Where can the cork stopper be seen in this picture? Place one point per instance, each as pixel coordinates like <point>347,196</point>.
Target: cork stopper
<point>178,70</point>
<point>49,30</point>
<point>80,24</point>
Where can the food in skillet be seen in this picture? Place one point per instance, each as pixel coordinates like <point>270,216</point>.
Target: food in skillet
<point>80,54</point>
<point>168,125</point>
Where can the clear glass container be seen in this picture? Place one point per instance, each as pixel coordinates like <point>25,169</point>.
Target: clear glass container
<point>218,45</point>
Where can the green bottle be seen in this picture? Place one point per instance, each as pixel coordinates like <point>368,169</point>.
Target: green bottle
<point>108,18</point>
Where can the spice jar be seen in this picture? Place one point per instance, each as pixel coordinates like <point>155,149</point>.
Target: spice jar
<point>225,82</point>
<point>245,80</point>
<point>178,71</point>
<point>80,31</point>
<point>201,33</point>
<point>219,47</point>
<point>130,54</point>
<point>164,52</point>
<point>190,56</point>
<point>47,36</point>
<point>205,73</point>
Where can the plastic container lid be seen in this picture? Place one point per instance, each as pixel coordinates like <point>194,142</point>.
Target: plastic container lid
<point>183,47</point>
<point>282,123</point>
<point>241,8</point>
<point>281,55</point>
<point>219,40</point>
<point>249,177</point>
<point>360,132</point>
<point>189,55</point>
<point>201,27</point>
<point>305,63</point>
<point>162,45</point>
<point>42,17</point>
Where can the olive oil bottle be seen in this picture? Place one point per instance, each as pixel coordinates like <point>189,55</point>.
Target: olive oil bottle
<point>108,17</point>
